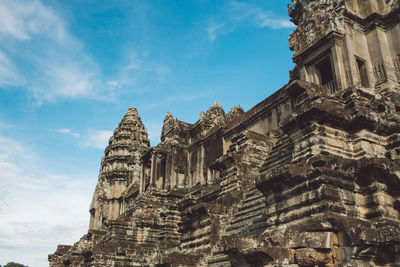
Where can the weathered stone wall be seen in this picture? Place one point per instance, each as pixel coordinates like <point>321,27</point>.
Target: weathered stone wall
<point>308,177</point>
<point>348,34</point>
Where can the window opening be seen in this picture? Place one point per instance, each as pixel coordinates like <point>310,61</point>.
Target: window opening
<point>362,71</point>
<point>326,74</point>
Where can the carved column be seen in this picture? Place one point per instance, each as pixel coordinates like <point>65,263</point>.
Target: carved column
<point>172,170</point>
<point>142,184</point>
<point>387,60</point>
<point>188,177</point>
<point>158,169</point>
<point>338,65</point>
<point>167,175</point>
<point>153,170</point>
<point>397,68</point>
<point>351,69</point>
<point>201,169</point>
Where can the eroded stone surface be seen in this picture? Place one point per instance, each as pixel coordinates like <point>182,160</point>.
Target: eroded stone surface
<point>308,177</point>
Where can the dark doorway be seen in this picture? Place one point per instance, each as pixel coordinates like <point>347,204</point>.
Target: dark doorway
<point>362,71</point>
<point>326,74</point>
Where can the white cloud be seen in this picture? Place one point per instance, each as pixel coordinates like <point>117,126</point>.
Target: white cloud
<point>67,80</point>
<point>12,150</point>
<point>90,139</point>
<point>68,131</point>
<point>24,19</point>
<point>113,84</point>
<point>137,63</point>
<point>39,208</point>
<point>139,74</point>
<point>8,170</point>
<point>36,37</point>
<point>236,14</point>
<point>214,30</point>
<point>8,72</point>
<point>98,139</point>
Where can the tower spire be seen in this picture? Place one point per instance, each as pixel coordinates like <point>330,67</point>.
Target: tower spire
<point>120,168</point>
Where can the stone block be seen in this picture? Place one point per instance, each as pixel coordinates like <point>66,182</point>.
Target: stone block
<point>311,257</point>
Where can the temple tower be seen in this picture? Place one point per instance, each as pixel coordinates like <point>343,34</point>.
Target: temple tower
<point>345,43</point>
<point>310,176</point>
<point>120,169</point>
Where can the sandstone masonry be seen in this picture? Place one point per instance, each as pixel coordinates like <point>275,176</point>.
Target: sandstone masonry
<point>308,177</point>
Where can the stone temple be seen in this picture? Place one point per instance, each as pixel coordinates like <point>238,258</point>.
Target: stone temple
<point>308,177</point>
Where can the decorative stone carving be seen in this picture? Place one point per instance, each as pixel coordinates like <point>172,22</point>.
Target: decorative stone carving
<point>349,78</point>
<point>168,125</point>
<point>397,68</point>
<point>380,73</point>
<point>303,178</point>
<point>213,116</point>
<point>315,19</point>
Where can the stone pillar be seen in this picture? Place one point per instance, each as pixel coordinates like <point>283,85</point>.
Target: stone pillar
<point>153,170</point>
<point>387,58</point>
<point>375,52</point>
<point>172,174</point>
<point>142,184</point>
<point>351,69</point>
<point>157,171</point>
<point>167,175</point>
<point>201,167</point>
<point>188,176</point>
<point>338,66</point>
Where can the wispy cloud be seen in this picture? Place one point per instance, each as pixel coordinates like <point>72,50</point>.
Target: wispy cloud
<point>137,63</point>
<point>24,20</point>
<point>138,73</point>
<point>236,14</point>
<point>8,73</point>
<point>43,57</point>
<point>214,30</point>
<point>114,84</point>
<point>38,46</point>
<point>68,131</point>
<point>98,139</point>
<point>88,138</point>
<point>39,208</point>
<point>72,79</point>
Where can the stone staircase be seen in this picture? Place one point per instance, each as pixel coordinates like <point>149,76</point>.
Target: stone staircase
<point>219,259</point>
<point>251,218</point>
<point>280,154</point>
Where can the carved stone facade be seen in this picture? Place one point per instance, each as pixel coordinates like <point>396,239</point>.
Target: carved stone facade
<point>308,177</point>
<point>356,41</point>
<point>119,171</point>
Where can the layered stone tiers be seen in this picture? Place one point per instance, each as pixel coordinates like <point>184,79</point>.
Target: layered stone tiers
<point>323,189</point>
<point>120,170</point>
<point>308,177</point>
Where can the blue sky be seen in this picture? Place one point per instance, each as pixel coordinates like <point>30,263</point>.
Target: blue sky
<point>69,70</point>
